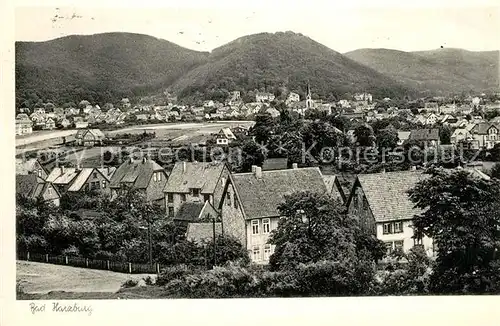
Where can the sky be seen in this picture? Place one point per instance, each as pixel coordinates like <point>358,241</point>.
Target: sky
<point>340,27</point>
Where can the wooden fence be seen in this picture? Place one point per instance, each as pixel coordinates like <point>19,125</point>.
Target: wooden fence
<point>122,267</point>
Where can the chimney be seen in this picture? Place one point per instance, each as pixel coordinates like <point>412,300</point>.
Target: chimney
<point>62,170</point>
<point>258,172</point>
<point>253,168</point>
<point>295,166</point>
<point>183,166</point>
<point>144,159</point>
<point>131,159</point>
<point>383,170</point>
<point>78,167</point>
<point>413,168</point>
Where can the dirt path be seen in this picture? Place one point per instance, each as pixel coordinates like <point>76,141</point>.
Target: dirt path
<point>43,278</point>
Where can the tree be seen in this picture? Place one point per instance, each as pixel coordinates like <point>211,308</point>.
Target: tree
<point>461,213</point>
<point>312,228</point>
<point>387,138</point>
<point>445,134</point>
<point>263,128</point>
<point>495,171</point>
<point>364,135</point>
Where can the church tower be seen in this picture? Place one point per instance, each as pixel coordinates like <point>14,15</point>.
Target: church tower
<point>309,101</point>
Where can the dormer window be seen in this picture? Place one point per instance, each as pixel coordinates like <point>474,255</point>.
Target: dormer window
<point>195,192</point>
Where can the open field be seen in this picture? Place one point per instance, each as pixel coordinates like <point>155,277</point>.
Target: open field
<point>42,278</point>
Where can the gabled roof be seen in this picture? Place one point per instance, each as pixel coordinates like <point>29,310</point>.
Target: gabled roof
<point>425,134</point>
<point>199,175</point>
<point>135,173</point>
<point>31,186</point>
<point>107,172</point>
<point>57,176</point>
<point>227,133</point>
<point>483,127</point>
<point>260,197</point>
<point>202,231</point>
<point>404,135</point>
<point>189,211</point>
<point>26,166</point>
<point>80,180</point>
<point>387,196</point>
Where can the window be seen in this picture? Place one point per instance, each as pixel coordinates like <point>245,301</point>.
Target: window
<point>256,254</point>
<point>196,192</point>
<point>170,198</point>
<point>236,205</point>
<point>267,252</point>
<point>159,176</point>
<point>255,226</point>
<point>228,202</point>
<point>398,227</point>
<point>49,191</point>
<point>266,225</point>
<point>387,228</point>
<point>95,175</point>
<point>103,184</point>
<point>393,227</point>
<point>183,197</point>
<point>154,177</point>
<point>206,197</point>
<point>40,173</point>
<point>170,212</point>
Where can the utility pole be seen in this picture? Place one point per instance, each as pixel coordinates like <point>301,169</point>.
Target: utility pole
<point>215,243</point>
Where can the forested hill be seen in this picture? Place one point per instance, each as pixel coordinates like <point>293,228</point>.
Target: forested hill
<point>100,68</point>
<point>283,60</point>
<point>443,71</point>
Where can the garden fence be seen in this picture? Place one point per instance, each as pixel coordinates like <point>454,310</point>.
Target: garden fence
<point>122,267</point>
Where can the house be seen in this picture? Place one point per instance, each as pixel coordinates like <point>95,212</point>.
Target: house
<point>90,179</point>
<point>33,187</point>
<point>65,123</point>
<point>78,179</point>
<point>203,232</point>
<point>144,175</point>
<point>448,120</point>
<point>224,136</point>
<point>485,135</point>
<point>31,166</point>
<point>428,137</point>
<point>80,123</point>
<point>249,205</point>
<point>195,212</point>
<point>273,112</point>
<point>49,124</point>
<point>278,163</point>
<point>459,135</point>
<point>194,182</point>
<point>292,98</point>
<point>431,119</point>
<point>24,125</point>
<point>38,117</point>
<point>89,137</point>
<point>363,97</point>
<point>264,97</point>
<point>381,203</point>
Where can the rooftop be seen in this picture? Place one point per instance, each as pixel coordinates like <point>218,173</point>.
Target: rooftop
<point>198,175</point>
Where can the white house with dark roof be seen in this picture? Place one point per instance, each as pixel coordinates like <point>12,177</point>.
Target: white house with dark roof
<point>194,182</point>
<point>381,202</point>
<point>33,187</point>
<point>30,166</point>
<point>249,207</point>
<point>69,179</point>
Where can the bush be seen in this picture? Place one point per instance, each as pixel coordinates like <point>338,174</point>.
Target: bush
<point>171,273</point>
<point>71,251</point>
<point>130,283</point>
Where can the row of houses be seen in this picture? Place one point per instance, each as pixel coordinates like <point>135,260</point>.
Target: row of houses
<point>244,205</point>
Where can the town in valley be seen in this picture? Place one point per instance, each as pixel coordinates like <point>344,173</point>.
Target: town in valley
<point>252,173</point>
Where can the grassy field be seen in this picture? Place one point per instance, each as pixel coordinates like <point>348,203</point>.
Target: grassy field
<point>42,280</point>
